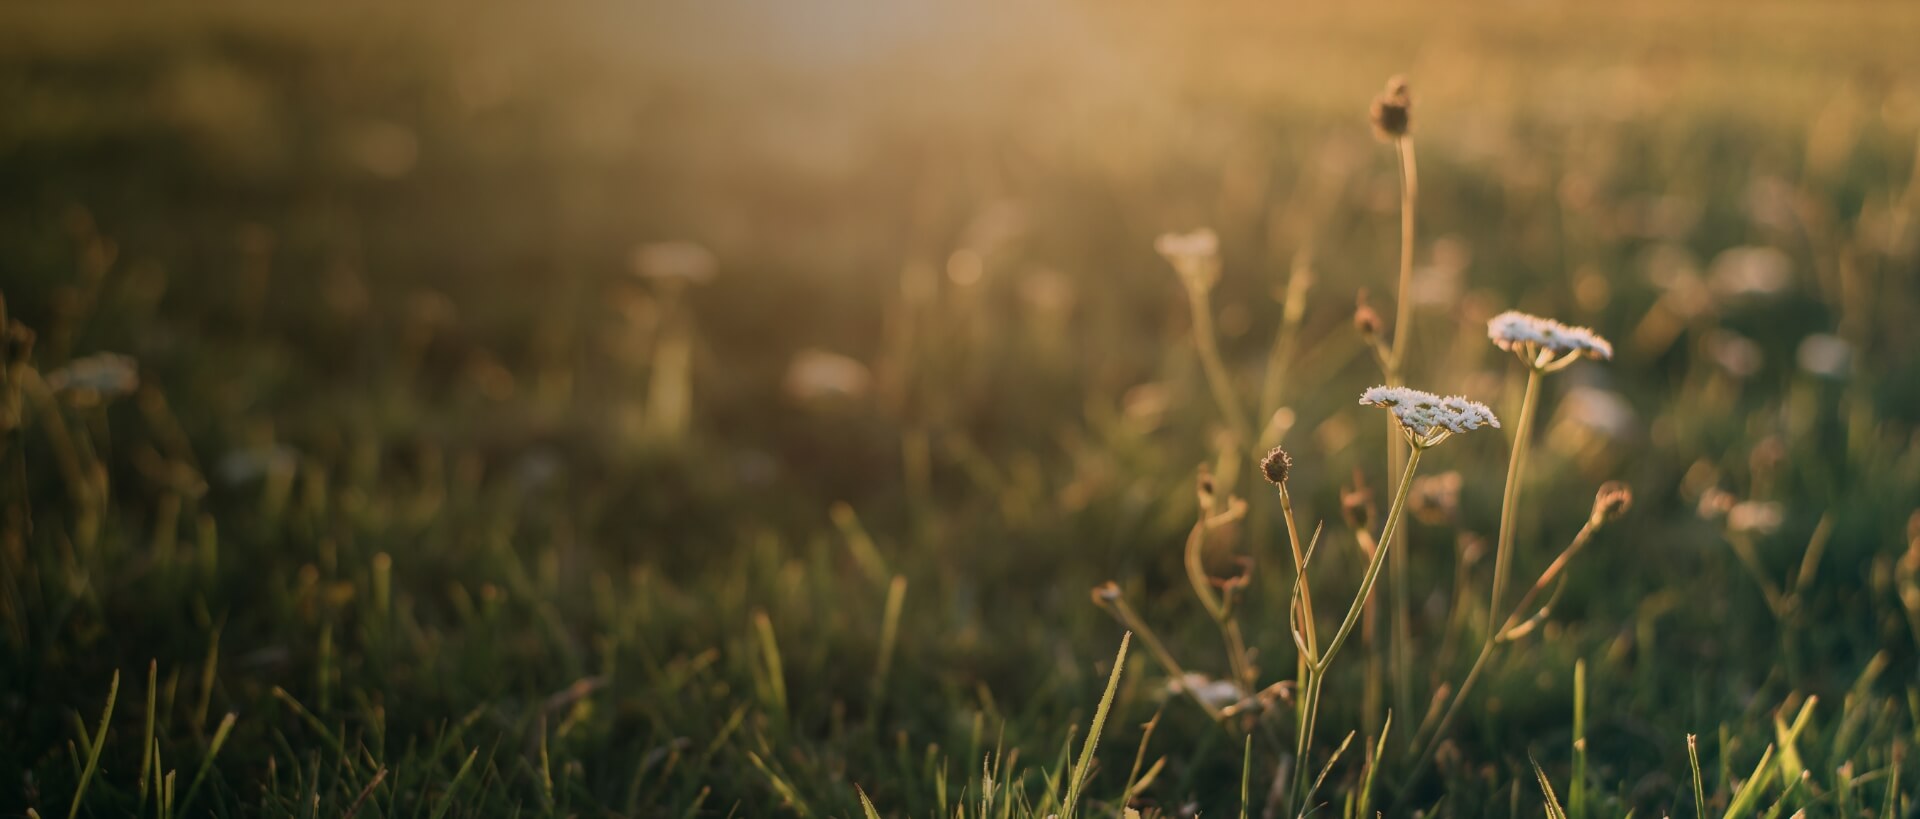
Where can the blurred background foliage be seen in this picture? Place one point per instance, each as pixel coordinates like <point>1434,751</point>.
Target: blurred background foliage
<point>439,411</point>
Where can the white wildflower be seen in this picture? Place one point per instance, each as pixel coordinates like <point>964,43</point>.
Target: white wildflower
<point>1755,517</point>
<point>1824,355</point>
<point>247,465</point>
<point>1428,417</point>
<point>1740,356</point>
<point>98,377</point>
<point>1536,339</point>
<point>1751,271</point>
<point>816,375</point>
<point>1217,693</point>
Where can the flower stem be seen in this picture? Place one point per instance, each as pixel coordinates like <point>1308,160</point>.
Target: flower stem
<point>1510,504</point>
<point>1317,670</point>
<point>1216,369</point>
<point>1401,641</point>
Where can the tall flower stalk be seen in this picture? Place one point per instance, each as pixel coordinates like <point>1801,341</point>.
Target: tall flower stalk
<point>1422,420</point>
<point>1196,257</point>
<point>1612,501</point>
<point>1545,346</point>
<point>1392,118</point>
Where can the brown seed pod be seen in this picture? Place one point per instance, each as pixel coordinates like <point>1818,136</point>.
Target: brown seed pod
<point>1392,111</point>
<point>1276,466</point>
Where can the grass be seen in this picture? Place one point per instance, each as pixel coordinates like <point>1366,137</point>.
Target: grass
<point>424,505</point>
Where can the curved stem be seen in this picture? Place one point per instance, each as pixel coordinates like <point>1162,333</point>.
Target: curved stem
<point>1300,569</point>
<point>1131,619</point>
<point>1317,670</point>
<point>1216,369</point>
<point>1373,566</point>
<point>1510,504</point>
<point>1493,639</point>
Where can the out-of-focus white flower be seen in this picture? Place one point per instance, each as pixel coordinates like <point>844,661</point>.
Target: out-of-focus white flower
<point>1195,255</point>
<point>1750,271</point>
<point>1528,336</point>
<point>1600,411</point>
<point>1715,503</point>
<point>815,375</point>
<point>1825,355</point>
<point>1735,353</point>
<point>1217,693</point>
<point>1428,416</point>
<point>1440,282</point>
<point>677,261</point>
<point>98,377</point>
<point>1755,517</point>
<point>1673,269</point>
<point>247,465</point>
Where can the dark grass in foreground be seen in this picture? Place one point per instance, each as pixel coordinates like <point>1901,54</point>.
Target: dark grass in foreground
<point>414,502</point>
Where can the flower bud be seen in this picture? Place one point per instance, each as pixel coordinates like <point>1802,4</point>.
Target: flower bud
<point>1392,112</point>
<point>1276,466</point>
<point>1365,319</point>
<point>1612,501</point>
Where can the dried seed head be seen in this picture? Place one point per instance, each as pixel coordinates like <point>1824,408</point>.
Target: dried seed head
<point>1365,320</point>
<point>1392,112</point>
<point>1612,501</point>
<point>1276,466</point>
<point>1105,593</point>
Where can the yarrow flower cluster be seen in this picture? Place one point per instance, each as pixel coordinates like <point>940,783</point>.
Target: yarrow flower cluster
<point>1538,341</point>
<point>1428,417</point>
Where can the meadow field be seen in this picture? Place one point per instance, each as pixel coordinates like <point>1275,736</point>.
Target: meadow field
<point>868,410</point>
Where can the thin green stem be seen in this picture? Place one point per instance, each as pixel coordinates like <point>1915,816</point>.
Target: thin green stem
<point>1373,566</point>
<point>1215,367</point>
<point>1317,670</point>
<point>1495,635</point>
<point>1300,569</point>
<point>1401,640</point>
<point>1510,503</point>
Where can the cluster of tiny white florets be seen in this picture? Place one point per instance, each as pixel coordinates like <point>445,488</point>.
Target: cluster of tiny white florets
<point>1424,413</point>
<point>1527,335</point>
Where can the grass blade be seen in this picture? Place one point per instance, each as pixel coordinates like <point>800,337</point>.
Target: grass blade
<point>1554,809</point>
<point>453,786</point>
<point>866,805</point>
<point>1093,734</point>
<point>1699,793</point>
<point>1748,797</point>
<point>213,750</point>
<point>94,748</point>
